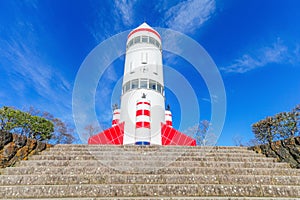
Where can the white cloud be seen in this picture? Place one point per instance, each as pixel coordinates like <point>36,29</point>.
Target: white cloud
<point>124,9</point>
<point>189,15</point>
<point>185,16</point>
<point>29,78</point>
<point>28,68</point>
<point>122,14</point>
<point>277,53</point>
<point>295,58</point>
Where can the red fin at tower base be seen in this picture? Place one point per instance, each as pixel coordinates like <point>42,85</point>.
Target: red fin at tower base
<point>113,135</point>
<point>170,136</point>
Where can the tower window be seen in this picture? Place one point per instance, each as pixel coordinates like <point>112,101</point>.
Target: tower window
<point>137,39</point>
<point>159,88</point>
<point>134,83</point>
<point>130,43</point>
<point>127,86</point>
<point>144,83</point>
<point>151,40</point>
<point>157,44</point>
<point>152,85</point>
<point>145,39</point>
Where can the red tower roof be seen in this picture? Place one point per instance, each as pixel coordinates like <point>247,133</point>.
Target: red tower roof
<point>144,27</point>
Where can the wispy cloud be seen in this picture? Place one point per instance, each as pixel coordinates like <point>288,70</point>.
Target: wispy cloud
<point>124,10</point>
<point>122,14</point>
<point>186,16</point>
<point>189,15</point>
<point>27,74</point>
<point>277,53</point>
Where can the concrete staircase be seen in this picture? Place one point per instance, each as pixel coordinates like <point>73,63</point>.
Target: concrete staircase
<point>149,172</point>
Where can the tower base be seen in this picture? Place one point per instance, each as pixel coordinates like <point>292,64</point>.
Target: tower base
<point>115,134</point>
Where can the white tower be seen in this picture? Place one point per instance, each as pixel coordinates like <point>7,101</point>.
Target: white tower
<point>143,77</point>
<point>142,118</point>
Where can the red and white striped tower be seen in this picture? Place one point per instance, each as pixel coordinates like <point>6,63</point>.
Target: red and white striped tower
<point>138,122</point>
<point>116,117</point>
<point>142,126</point>
<point>143,74</point>
<point>168,117</point>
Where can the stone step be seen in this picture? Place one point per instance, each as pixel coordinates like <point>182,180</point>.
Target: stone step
<point>120,163</point>
<point>162,172</point>
<point>150,148</point>
<point>150,157</point>
<point>156,148</point>
<point>147,146</point>
<point>172,198</point>
<point>54,179</point>
<point>118,153</point>
<point>131,190</point>
<point>82,170</point>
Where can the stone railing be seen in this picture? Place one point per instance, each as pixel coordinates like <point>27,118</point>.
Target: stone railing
<point>15,147</point>
<point>284,150</point>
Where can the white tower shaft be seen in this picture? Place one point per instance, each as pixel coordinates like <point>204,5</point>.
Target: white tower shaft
<point>143,75</point>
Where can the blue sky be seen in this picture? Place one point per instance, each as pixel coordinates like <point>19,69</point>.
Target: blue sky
<point>254,43</point>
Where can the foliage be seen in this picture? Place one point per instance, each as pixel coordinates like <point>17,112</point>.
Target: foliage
<point>62,133</point>
<point>281,126</point>
<point>16,121</point>
<point>297,111</point>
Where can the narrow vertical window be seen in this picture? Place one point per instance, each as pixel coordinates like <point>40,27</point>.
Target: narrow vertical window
<point>144,56</point>
<point>130,67</point>
<point>155,69</point>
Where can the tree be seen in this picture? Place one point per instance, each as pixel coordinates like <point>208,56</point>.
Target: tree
<point>264,130</point>
<point>286,124</point>
<point>200,132</point>
<point>280,126</point>
<point>16,121</point>
<point>296,110</point>
<point>62,133</point>
<point>90,130</point>
<point>253,142</point>
<point>238,140</point>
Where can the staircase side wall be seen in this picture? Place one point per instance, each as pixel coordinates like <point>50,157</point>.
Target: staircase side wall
<point>16,147</point>
<point>284,150</point>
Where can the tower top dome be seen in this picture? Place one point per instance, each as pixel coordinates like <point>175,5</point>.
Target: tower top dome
<point>144,27</point>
